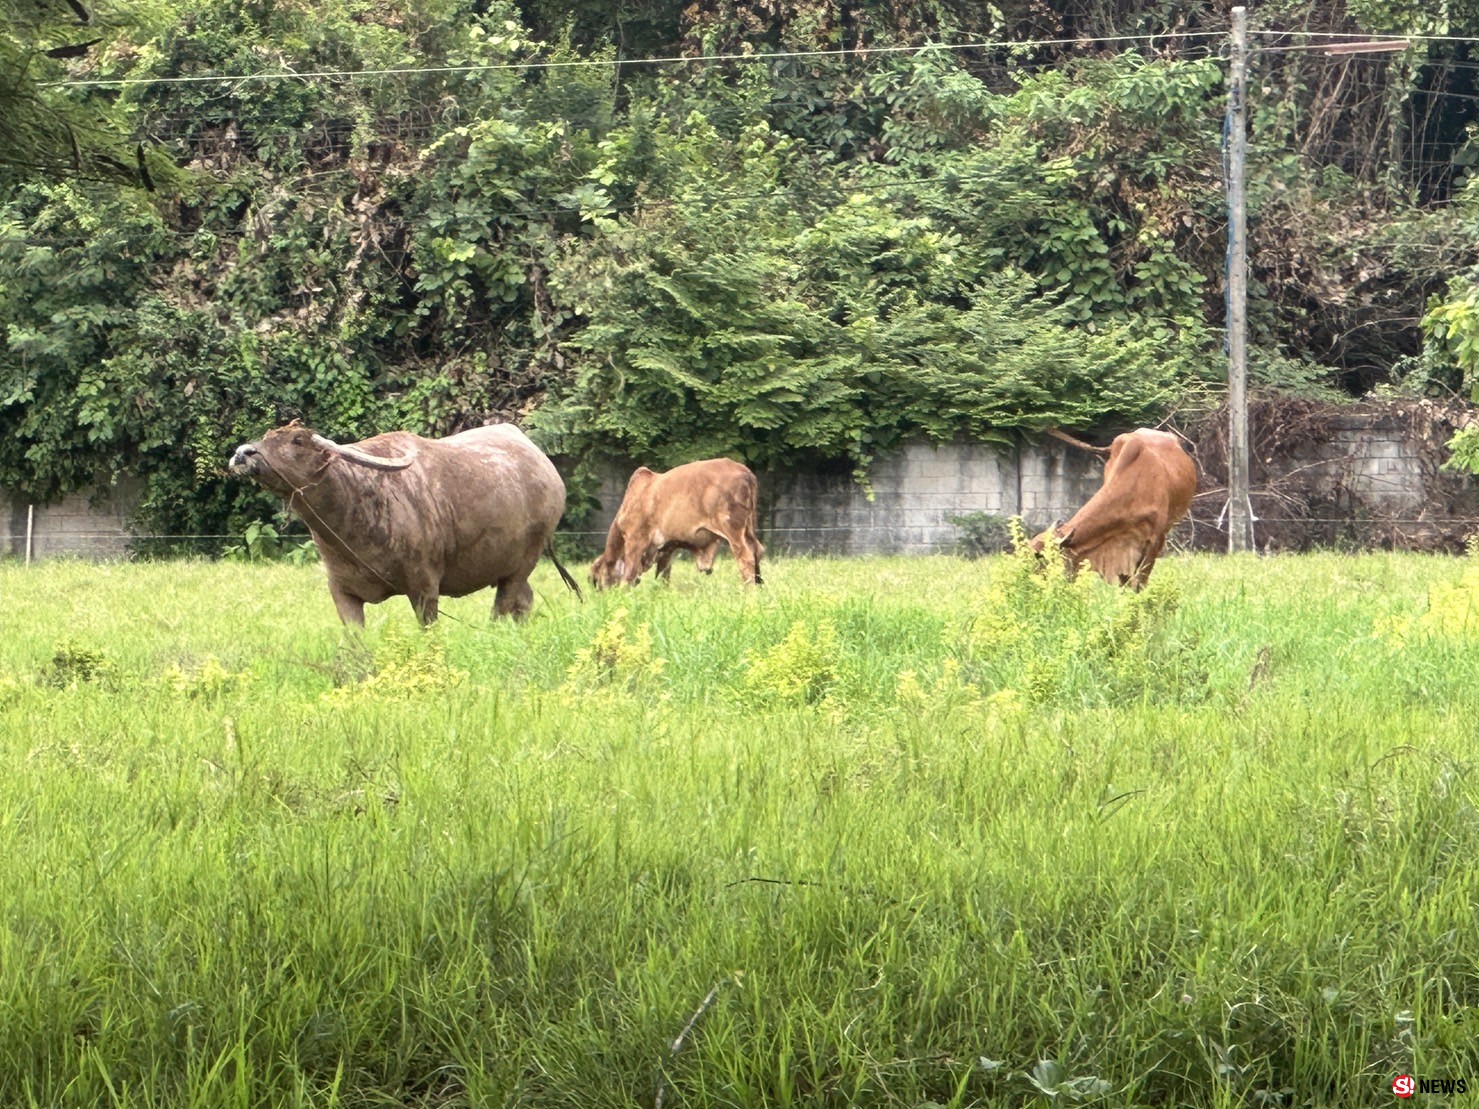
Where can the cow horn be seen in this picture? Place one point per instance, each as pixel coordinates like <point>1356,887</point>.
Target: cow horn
<point>364,458</point>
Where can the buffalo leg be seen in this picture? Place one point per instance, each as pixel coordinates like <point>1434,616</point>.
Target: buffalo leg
<point>514,598</point>
<point>425,608</point>
<point>351,608</point>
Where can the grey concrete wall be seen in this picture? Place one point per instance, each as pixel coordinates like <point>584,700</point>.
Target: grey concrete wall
<point>915,492</point>
<point>1375,461</point>
<point>81,524</point>
<point>1372,459</point>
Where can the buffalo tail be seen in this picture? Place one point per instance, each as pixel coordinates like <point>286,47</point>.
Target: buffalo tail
<point>549,549</point>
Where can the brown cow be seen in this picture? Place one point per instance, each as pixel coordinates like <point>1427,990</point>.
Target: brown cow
<point>1149,482</point>
<point>689,508</point>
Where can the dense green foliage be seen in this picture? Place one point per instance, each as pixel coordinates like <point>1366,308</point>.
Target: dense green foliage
<point>940,832</point>
<point>476,209</point>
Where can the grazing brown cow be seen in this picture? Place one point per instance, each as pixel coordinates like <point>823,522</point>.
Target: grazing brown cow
<point>689,508</point>
<point>1149,482</point>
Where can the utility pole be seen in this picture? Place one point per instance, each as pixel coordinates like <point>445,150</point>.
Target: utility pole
<point>1239,505</point>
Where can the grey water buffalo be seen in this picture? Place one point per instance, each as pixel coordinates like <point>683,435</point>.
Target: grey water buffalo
<point>399,515</point>
<point>689,508</point>
<point>1149,483</point>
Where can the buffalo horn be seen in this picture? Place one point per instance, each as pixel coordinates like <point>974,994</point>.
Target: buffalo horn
<point>374,461</point>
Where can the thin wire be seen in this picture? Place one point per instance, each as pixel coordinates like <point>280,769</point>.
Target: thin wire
<point>1349,520</point>
<point>861,52</point>
<point>1439,92</point>
<point>1447,63</point>
<point>1354,36</point>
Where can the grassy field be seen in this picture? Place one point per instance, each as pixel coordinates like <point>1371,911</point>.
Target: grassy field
<point>885,832</point>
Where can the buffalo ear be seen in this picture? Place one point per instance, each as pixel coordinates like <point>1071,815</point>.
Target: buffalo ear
<point>294,422</point>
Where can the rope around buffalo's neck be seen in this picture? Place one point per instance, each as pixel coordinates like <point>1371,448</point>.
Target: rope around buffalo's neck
<point>299,490</point>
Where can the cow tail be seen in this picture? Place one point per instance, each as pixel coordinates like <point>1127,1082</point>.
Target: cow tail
<point>549,549</point>
<point>753,524</point>
<point>1079,443</point>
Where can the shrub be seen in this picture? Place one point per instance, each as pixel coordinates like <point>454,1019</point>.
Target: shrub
<point>616,656</point>
<point>75,664</point>
<point>801,668</point>
<point>982,533</point>
<point>1049,634</point>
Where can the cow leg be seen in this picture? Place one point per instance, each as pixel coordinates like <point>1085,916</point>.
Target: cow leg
<point>704,556</point>
<point>514,598</point>
<point>1147,563</point>
<point>756,552</point>
<point>744,554</point>
<point>640,552</point>
<point>351,608</point>
<point>665,562</point>
<point>742,542</point>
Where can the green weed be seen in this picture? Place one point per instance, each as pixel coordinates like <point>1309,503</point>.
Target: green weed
<point>617,656</point>
<point>75,664</point>
<point>403,666</point>
<point>802,668</point>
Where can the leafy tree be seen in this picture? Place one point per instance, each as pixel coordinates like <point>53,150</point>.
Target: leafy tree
<point>46,131</point>
<point>475,209</point>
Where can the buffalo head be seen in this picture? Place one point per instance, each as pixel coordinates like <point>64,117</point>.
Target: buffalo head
<point>293,457</point>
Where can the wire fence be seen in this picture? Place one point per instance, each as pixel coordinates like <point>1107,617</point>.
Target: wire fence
<point>942,535</point>
<point>1325,40</point>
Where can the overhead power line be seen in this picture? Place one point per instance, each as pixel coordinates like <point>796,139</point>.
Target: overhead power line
<point>585,63</point>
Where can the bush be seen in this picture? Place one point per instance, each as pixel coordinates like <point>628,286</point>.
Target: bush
<point>1051,636</point>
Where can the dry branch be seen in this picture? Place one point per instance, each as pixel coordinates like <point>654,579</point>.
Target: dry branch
<point>677,1045</point>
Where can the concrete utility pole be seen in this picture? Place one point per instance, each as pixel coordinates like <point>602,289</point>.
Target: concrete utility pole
<point>1239,505</point>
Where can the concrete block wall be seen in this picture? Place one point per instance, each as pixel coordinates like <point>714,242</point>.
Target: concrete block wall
<point>1379,468</point>
<point>915,492</point>
<point>81,524</point>
<point>1373,459</point>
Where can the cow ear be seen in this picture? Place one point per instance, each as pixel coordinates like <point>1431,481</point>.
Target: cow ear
<point>1066,539</point>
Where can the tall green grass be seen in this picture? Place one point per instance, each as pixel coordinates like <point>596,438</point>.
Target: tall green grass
<point>919,832</point>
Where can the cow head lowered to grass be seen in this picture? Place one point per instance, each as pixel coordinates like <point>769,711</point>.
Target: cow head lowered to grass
<point>692,507</point>
<point>1149,482</point>
<point>399,515</point>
